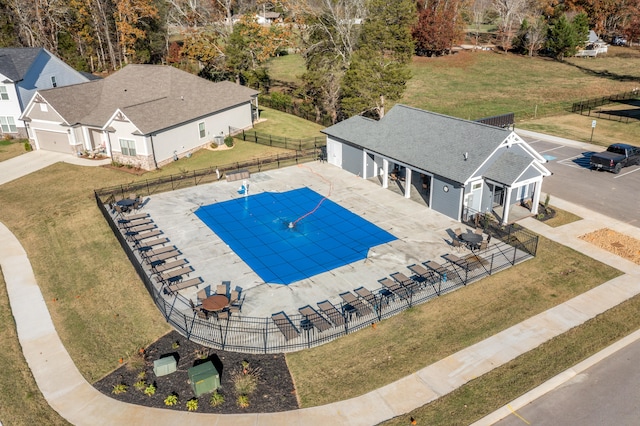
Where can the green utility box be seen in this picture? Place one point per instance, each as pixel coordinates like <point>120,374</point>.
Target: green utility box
<point>164,366</point>
<point>204,378</point>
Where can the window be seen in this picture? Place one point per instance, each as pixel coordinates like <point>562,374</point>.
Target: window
<point>201,129</point>
<point>3,93</point>
<point>128,147</point>
<point>44,108</point>
<point>8,125</point>
<point>476,186</point>
<point>53,81</point>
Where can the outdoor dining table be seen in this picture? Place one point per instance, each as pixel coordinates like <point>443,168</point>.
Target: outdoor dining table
<point>473,240</point>
<point>215,303</point>
<point>126,203</point>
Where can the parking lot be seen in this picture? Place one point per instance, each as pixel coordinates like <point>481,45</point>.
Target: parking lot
<point>617,196</point>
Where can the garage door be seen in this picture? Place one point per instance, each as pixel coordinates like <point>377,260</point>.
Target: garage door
<point>53,141</point>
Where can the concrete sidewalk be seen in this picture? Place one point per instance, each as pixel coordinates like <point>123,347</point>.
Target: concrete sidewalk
<point>78,402</point>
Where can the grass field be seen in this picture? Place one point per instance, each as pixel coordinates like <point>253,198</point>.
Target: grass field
<point>11,148</point>
<point>102,311</point>
<point>430,332</point>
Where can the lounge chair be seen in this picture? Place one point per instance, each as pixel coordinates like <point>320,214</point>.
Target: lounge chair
<point>351,300</point>
<point>394,287</point>
<point>163,257</point>
<point>285,325</point>
<point>139,237</point>
<point>452,258</point>
<point>367,295</point>
<point>184,284</point>
<point>167,266</point>
<point>155,252</point>
<point>421,272</point>
<point>331,312</point>
<point>177,273</point>
<point>401,279</point>
<point>148,245</point>
<point>136,216</point>
<point>315,318</point>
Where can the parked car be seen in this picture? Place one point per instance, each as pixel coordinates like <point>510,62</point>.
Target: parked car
<point>616,157</point>
<point>619,41</point>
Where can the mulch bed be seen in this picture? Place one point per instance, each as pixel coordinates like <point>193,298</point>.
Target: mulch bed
<point>275,390</point>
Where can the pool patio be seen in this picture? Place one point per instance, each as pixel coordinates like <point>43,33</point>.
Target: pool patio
<point>422,235</point>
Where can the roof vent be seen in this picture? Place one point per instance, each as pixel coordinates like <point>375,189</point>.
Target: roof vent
<point>182,98</point>
<point>466,155</point>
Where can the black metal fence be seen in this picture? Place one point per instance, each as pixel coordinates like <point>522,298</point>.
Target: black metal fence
<point>298,109</point>
<point>280,141</point>
<point>208,175</point>
<point>503,121</point>
<point>513,234</point>
<point>588,107</point>
<point>261,335</point>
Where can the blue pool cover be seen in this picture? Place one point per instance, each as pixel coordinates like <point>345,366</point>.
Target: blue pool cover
<point>257,229</point>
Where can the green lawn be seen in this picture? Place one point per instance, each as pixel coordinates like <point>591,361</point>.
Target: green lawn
<point>363,361</point>
<point>286,125</point>
<point>287,68</point>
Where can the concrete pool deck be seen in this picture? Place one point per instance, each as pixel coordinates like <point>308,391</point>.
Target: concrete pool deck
<point>422,235</point>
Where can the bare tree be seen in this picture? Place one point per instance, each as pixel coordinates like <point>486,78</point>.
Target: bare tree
<point>511,13</point>
<point>478,11</point>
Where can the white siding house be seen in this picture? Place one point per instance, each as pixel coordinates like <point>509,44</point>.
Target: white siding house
<point>143,115</point>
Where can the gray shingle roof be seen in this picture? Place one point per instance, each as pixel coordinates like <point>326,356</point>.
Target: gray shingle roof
<point>432,142</point>
<point>507,168</point>
<point>153,97</point>
<point>15,62</point>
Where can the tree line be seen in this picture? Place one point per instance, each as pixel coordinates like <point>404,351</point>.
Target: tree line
<point>356,52</point>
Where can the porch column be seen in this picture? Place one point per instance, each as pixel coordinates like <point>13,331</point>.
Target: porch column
<point>536,197</point>
<point>73,137</point>
<point>385,173</point>
<point>407,182</point>
<point>364,164</point>
<point>87,138</point>
<point>507,204</point>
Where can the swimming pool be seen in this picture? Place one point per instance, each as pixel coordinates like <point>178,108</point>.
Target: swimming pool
<point>257,229</point>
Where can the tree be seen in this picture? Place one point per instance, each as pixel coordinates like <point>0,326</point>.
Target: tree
<point>511,12</point>
<point>132,18</point>
<point>330,36</point>
<point>251,44</point>
<point>439,26</point>
<point>562,38</point>
<point>379,68</point>
<point>531,36</point>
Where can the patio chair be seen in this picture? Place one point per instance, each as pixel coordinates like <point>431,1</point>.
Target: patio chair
<point>479,231</point>
<point>457,232</point>
<point>202,294</point>
<point>233,297</point>
<point>457,244</point>
<point>223,315</point>
<point>483,245</point>
<point>221,289</point>
<point>234,308</point>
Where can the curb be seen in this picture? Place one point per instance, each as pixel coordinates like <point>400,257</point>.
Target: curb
<point>556,381</point>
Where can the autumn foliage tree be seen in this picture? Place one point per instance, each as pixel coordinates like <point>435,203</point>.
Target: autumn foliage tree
<point>131,16</point>
<point>439,26</point>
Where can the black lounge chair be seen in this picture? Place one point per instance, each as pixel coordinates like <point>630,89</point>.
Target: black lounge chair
<point>367,295</point>
<point>351,300</point>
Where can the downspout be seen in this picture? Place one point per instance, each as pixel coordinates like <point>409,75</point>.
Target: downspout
<point>153,152</point>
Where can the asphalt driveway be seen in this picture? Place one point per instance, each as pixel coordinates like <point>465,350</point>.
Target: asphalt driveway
<point>616,196</point>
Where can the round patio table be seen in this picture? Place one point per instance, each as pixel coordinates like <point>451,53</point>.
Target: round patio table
<point>214,303</point>
<point>471,239</point>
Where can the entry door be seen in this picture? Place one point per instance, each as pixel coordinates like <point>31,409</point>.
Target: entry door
<point>498,195</point>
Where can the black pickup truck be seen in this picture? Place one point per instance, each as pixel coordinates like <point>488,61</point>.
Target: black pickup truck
<point>616,157</point>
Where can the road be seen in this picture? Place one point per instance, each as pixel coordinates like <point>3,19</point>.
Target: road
<point>605,394</point>
<point>616,196</point>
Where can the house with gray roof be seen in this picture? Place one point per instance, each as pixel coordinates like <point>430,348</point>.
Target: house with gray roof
<point>23,71</point>
<point>142,115</point>
<point>459,167</point>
